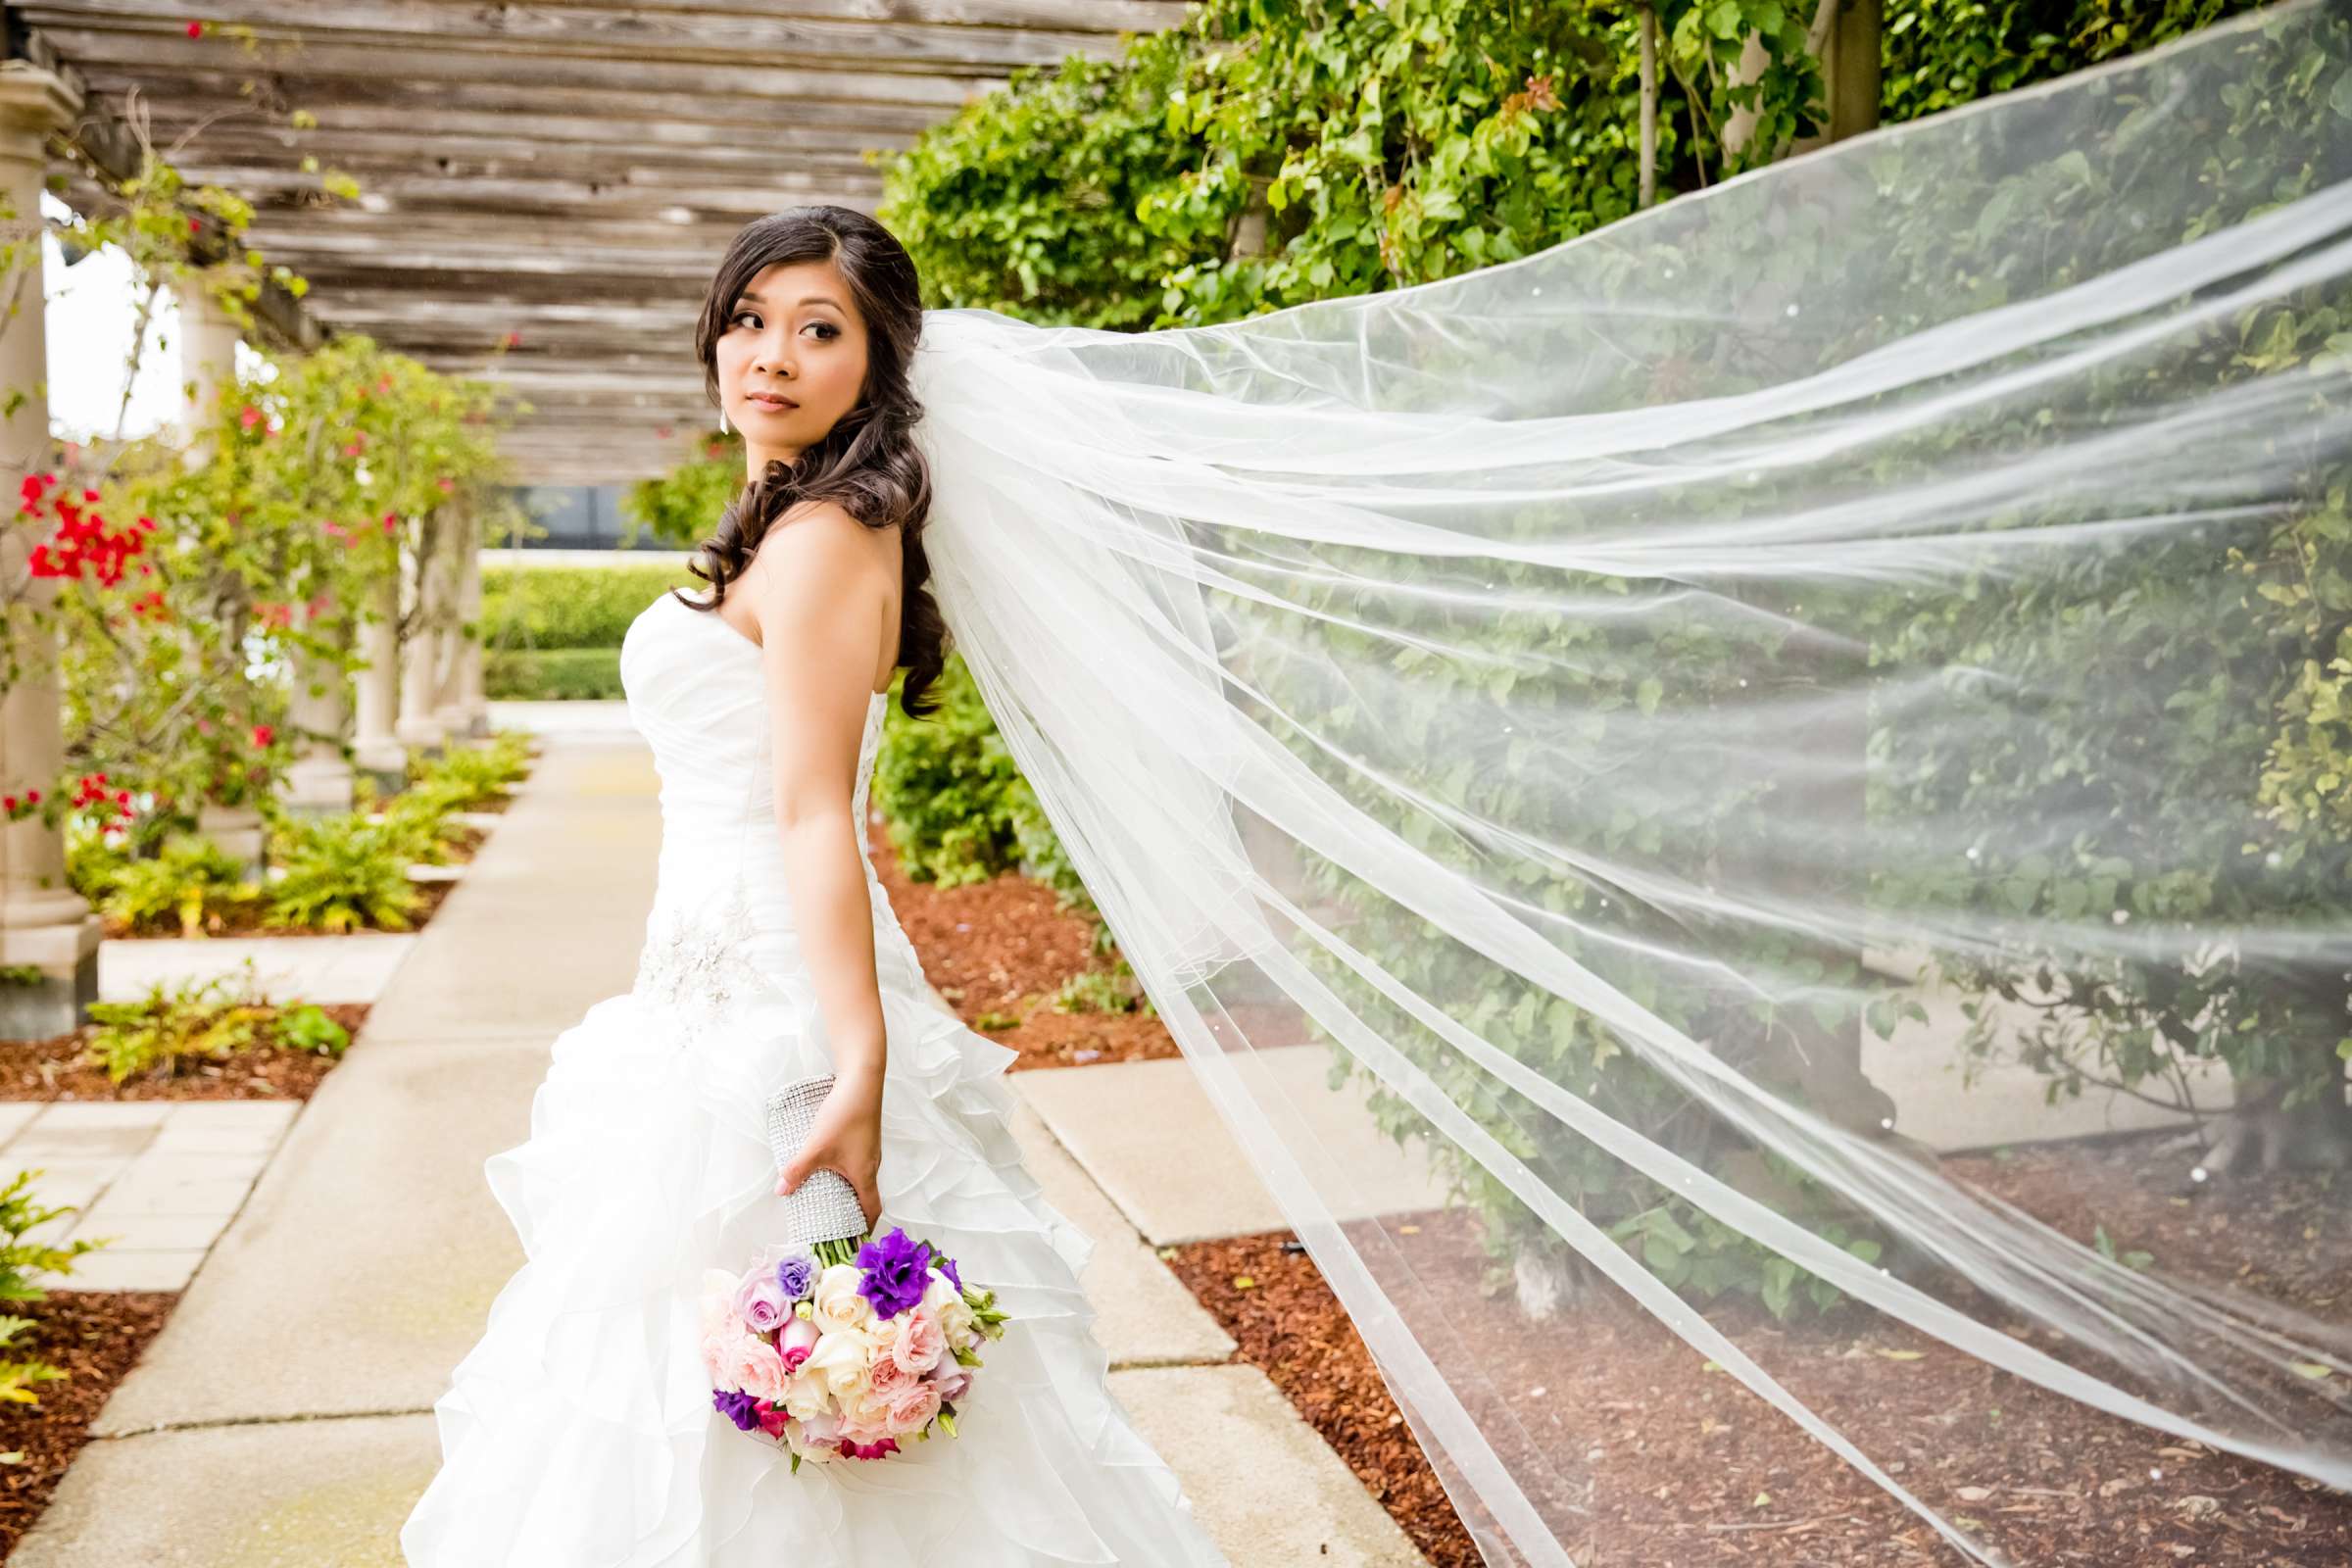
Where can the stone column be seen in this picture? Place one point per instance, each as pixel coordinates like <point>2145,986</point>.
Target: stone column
<point>48,934</point>
<point>375,749</point>
<point>419,724</point>
<point>208,364</point>
<point>318,784</point>
<point>458,564</point>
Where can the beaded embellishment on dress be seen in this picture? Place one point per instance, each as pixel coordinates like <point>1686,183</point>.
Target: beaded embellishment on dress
<point>693,966</point>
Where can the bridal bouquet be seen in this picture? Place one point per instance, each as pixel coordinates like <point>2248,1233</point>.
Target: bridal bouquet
<point>840,1346</point>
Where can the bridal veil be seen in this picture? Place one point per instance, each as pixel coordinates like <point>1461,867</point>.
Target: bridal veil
<point>1723,733</point>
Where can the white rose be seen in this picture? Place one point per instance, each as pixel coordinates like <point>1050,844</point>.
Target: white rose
<point>836,1307</point>
<point>808,1395</point>
<point>840,1361</point>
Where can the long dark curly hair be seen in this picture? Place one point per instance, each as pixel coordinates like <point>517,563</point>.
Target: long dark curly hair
<point>867,463</point>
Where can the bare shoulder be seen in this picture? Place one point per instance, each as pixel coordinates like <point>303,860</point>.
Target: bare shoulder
<point>816,538</point>
<point>820,560</point>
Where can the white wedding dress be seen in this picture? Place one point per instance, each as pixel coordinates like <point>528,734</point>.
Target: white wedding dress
<point>580,1432</point>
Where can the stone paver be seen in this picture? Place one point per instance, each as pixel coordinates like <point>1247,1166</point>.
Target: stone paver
<point>285,1494</point>
<point>1271,1491</point>
<point>1178,1175</point>
<point>306,1494</point>
<point>157,1180</point>
<point>347,968</point>
<point>1144,1314</point>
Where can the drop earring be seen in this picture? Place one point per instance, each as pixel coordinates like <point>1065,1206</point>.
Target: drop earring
<point>722,422</point>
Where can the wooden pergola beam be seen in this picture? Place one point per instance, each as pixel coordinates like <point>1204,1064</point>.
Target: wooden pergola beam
<point>543,188</point>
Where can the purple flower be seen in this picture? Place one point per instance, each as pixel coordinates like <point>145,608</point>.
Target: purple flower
<point>947,1266</point>
<point>797,1275</point>
<point>897,1269</point>
<point>741,1408</point>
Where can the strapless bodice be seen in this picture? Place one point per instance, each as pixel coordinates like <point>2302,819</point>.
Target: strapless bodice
<point>722,911</point>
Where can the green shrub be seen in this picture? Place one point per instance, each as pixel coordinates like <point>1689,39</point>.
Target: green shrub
<point>948,786</point>
<point>553,674</point>
<point>1112,990</point>
<point>542,607</point>
<point>190,879</point>
<point>469,777</point>
<point>209,1020</point>
<point>343,872</point>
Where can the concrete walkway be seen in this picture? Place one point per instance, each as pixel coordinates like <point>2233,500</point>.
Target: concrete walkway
<point>284,1415</point>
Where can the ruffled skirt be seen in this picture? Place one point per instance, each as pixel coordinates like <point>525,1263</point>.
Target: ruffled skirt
<point>579,1431</point>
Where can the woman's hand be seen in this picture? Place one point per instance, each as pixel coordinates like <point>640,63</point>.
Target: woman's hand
<point>846,1137</point>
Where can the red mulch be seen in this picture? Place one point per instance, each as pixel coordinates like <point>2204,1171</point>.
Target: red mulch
<point>56,1069</point>
<point>96,1337</point>
<point>1656,1463</point>
<point>1005,946</point>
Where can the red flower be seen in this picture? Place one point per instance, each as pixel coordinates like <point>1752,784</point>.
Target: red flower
<point>263,734</point>
<point>447,484</point>
<point>8,803</point>
<point>195,225</point>
<point>514,339</point>
<point>122,797</point>
<point>195,29</point>
<point>32,796</point>
<point>250,418</point>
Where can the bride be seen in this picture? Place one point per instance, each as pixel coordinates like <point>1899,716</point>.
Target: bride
<point>580,1431</point>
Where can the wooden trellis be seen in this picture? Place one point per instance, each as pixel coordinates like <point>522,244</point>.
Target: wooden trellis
<point>567,172</point>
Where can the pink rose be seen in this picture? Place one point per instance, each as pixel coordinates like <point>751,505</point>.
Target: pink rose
<point>921,1342</point>
<point>887,1375</point>
<point>952,1380</point>
<point>759,1301</point>
<point>913,1406</point>
<point>754,1368</point>
<point>771,1421</point>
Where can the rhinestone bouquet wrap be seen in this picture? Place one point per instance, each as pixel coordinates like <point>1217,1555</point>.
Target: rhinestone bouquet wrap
<point>824,1208</point>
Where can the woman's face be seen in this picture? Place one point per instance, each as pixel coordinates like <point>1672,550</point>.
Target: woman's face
<point>792,332</point>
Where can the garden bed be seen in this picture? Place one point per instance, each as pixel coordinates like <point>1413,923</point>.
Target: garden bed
<point>55,1068</point>
<point>1669,1466</point>
<point>94,1336</point>
<point>1003,948</point>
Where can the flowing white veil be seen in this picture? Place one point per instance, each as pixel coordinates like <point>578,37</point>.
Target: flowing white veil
<point>1710,728</point>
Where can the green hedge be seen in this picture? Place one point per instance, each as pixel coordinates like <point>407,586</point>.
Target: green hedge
<point>574,673</point>
<point>570,607</point>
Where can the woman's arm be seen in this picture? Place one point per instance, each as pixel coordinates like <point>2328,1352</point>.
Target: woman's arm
<point>821,595</point>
